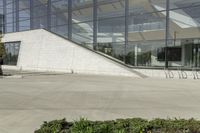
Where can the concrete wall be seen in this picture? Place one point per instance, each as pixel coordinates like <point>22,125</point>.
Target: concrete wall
<point>41,50</point>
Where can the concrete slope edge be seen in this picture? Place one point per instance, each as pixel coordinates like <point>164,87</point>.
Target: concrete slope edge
<point>114,60</point>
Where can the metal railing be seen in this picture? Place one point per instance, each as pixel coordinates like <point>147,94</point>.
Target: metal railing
<point>181,73</point>
<point>169,74</point>
<point>195,73</point>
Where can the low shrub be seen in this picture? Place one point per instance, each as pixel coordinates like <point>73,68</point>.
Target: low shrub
<point>135,125</point>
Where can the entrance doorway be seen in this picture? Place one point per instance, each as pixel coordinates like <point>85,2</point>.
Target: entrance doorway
<point>196,55</point>
<point>192,55</point>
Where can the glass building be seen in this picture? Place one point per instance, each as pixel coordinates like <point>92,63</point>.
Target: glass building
<point>140,33</point>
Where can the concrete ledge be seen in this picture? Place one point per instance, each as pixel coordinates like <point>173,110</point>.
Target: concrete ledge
<point>7,67</point>
<point>12,77</point>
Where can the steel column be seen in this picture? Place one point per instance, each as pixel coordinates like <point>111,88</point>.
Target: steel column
<point>49,15</point>
<point>69,19</point>
<point>126,28</point>
<point>167,33</point>
<point>31,14</point>
<point>95,20</point>
<point>17,15</point>
<point>4,17</point>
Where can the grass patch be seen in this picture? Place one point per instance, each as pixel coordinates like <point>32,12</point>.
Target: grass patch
<point>135,125</point>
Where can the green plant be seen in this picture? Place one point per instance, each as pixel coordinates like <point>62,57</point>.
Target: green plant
<point>135,125</point>
<point>2,53</point>
<point>82,126</point>
<point>56,126</point>
<point>2,50</point>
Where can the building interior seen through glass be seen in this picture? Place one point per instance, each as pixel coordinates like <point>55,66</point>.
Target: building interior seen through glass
<point>11,53</point>
<point>138,32</point>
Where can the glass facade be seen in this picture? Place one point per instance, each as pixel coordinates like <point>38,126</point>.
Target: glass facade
<point>82,22</point>
<point>1,16</point>
<point>141,33</point>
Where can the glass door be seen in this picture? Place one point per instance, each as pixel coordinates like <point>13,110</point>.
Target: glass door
<point>196,55</point>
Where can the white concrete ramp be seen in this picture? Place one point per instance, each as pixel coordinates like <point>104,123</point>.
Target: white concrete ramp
<point>41,50</point>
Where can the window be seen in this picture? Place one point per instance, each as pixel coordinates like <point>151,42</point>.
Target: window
<point>12,52</point>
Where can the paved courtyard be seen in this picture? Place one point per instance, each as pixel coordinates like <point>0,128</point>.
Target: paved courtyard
<point>25,103</point>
